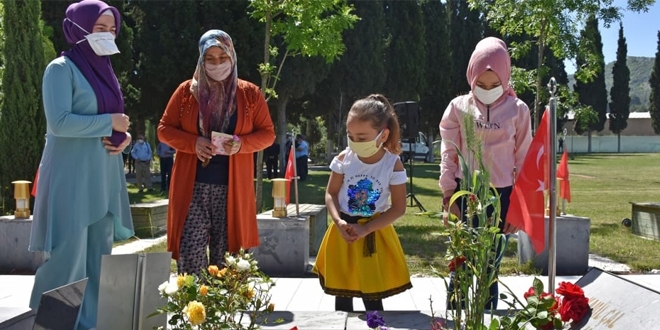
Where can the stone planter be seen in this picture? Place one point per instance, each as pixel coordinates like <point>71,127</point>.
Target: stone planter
<point>14,242</point>
<point>150,219</point>
<point>572,246</point>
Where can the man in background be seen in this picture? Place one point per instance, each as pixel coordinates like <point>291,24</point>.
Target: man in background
<point>142,154</point>
<point>166,157</point>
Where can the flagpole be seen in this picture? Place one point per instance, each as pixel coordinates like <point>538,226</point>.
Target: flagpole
<point>295,173</point>
<point>552,178</point>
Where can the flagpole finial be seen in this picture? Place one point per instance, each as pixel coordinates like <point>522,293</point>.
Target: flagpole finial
<point>552,86</point>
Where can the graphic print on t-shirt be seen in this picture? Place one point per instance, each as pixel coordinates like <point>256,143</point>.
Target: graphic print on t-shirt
<point>362,196</point>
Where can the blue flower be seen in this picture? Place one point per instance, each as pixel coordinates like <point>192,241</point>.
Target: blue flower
<point>374,320</point>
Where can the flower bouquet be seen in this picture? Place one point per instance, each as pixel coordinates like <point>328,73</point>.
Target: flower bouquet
<point>234,297</point>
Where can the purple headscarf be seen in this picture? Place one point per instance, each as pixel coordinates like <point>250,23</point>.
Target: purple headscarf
<point>96,69</point>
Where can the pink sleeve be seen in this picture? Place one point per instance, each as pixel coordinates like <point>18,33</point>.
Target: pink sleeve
<point>450,132</point>
<point>523,135</point>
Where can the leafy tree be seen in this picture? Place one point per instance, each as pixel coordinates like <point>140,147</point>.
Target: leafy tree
<point>553,24</point>
<point>620,91</point>
<point>654,99</point>
<point>437,93</point>
<point>22,120</point>
<point>405,56</point>
<point>593,93</point>
<point>305,27</point>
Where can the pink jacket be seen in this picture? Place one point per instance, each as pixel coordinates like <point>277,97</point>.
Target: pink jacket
<point>503,130</point>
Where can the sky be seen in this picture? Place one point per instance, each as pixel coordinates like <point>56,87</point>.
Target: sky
<point>640,30</point>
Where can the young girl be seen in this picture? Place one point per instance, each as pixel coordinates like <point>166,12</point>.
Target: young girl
<point>502,124</point>
<point>361,255</point>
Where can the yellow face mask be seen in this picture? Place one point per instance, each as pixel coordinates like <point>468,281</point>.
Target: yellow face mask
<point>365,149</point>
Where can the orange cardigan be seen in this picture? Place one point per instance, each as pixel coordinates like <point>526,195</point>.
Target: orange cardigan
<point>178,129</point>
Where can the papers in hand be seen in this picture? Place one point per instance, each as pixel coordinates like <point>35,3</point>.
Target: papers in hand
<point>219,139</point>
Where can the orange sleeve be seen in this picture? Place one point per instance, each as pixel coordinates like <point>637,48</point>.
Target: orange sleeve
<point>263,132</point>
<point>169,128</point>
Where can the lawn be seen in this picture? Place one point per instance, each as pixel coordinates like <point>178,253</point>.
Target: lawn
<point>603,185</point>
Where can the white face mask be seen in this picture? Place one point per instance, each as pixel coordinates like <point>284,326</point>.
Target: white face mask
<point>218,72</point>
<point>365,149</point>
<point>102,43</point>
<point>488,96</point>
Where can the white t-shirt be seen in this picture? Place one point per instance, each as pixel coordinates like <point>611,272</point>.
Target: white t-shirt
<point>366,187</point>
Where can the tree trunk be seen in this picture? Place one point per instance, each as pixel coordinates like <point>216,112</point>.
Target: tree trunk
<point>265,77</point>
<point>618,142</point>
<point>281,127</point>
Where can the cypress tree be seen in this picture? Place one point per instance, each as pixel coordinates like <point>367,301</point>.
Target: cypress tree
<point>654,81</point>
<point>594,92</point>
<point>22,120</point>
<point>406,55</point>
<point>465,31</point>
<point>438,62</point>
<point>620,91</point>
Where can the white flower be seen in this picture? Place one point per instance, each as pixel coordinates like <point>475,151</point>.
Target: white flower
<point>230,260</point>
<point>161,288</point>
<point>171,288</point>
<point>243,265</point>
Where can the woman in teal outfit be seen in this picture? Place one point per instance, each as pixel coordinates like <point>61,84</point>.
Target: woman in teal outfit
<point>81,203</point>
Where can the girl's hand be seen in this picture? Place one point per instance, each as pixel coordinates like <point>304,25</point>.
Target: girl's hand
<point>453,209</point>
<point>358,231</point>
<point>345,231</point>
<point>118,149</point>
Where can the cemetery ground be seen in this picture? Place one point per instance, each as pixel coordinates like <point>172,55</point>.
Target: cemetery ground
<point>602,188</point>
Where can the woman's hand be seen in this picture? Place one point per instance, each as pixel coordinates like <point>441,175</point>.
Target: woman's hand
<point>118,149</point>
<point>204,149</point>
<point>233,146</point>
<point>120,122</point>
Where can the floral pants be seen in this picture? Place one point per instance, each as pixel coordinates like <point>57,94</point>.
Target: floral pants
<point>205,226</point>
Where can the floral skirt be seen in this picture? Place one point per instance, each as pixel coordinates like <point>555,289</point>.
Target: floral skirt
<point>370,268</point>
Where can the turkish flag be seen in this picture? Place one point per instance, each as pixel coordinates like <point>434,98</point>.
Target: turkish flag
<point>562,175</point>
<point>527,204</point>
<point>290,174</point>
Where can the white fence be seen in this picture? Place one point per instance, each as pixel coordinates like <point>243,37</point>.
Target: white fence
<point>609,144</point>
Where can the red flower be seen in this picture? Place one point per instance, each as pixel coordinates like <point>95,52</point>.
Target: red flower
<point>457,262</point>
<point>548,326</point>
<point>529,293</point>
<point>554,306</point>
<point>473,198</point>
<point>574,308</point>
<point>570,290</point>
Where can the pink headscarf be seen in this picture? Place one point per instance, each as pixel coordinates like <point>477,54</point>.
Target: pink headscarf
<point>491,54</point>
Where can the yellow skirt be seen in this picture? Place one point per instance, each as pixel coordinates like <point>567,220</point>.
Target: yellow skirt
<point>347,270</point>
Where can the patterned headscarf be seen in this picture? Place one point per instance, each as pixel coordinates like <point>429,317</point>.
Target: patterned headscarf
<point>216,99</point>
<point>490,54</point>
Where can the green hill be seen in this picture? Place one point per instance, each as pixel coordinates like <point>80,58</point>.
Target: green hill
<point>640,72</point>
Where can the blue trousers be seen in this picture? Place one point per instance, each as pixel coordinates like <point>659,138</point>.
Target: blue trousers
<point>75,256</point>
